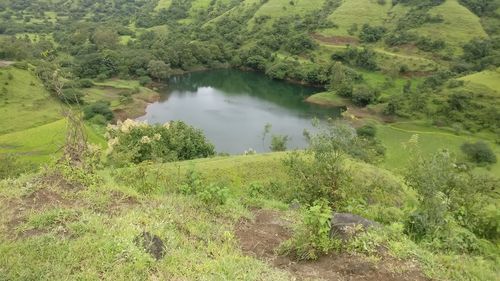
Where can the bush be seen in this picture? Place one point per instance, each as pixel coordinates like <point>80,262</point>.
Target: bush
<point>71,96</point>
<point>279,143</point>
<point>98,108</point>
<point>9,166</point>
<point>479,152</point>
<point>371,34</point>
<point>138,142</point>
<point>85,83</point>
<point>312,236</point>
<point>368,131</point>
<point>144,80</point>
<point>363,95</point>
<point>213,195</point>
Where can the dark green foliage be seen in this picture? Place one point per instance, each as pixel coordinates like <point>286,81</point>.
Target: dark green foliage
<point>138,142</point>
<point>363,95</point>
<point>98,108</point>
<point>452,203</point>
<point>279,142</point>
<point>10,166</point>
<point>70,96</point>
<point>481,7</point>
<point>371,34</point>
<point>300,43</point>
<point>429,45</point>
<point>479,152</point>
<point>368,131</point>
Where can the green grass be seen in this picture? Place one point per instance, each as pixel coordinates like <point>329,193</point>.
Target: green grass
<point>460,25</point>
<point>357,12</point>
<point>163,4</point>
<point>430,140</point>
<point>488,78</point>
<point>40,144</point>
<point>114,90</point>
<point>26,104</point>
<point>327,99</point>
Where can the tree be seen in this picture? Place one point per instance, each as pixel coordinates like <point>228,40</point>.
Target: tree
<point>105,38</point>
<point>279,143</point>
<point>159,70</point>
<point>371,33</point>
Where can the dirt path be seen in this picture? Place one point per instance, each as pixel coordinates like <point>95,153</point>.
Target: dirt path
<point>261,238</point>
<point>5,63</point>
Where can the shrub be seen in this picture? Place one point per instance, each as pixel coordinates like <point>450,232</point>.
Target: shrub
<point>85,83</point>
<point>371,34</point>
<point>213,195</point>
<point>138,142</point>
<point>479,152</point>
<point>363,95</point>
<point>9,166</point>
<point>70,96</point>
<point>279,143</point>
<point>312,236</point>
<point>368,131</point>
<point>98,108</point>
<point>145,80</point>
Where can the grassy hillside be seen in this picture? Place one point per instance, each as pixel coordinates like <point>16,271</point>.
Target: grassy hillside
<point>57,228</point>
<point>487,78</point>
<point>24,102</point>
<point>357,12</point>
<point>40,144</point>
<point>459,26</point>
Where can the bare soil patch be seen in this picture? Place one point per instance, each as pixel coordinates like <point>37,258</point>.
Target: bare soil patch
<point>261,238</point>
<point>5,63</point>
<point>336,40</point>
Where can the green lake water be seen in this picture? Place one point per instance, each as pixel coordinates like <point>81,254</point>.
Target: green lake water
<point>232,107</point>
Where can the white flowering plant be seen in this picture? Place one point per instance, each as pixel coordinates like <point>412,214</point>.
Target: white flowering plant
<point>135,142</point>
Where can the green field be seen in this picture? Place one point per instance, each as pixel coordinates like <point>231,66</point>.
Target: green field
<point>488,78</point>
<point>24,102</point>
<point>41,144</point>
<point>430,140</point>
<point>460,25</point>
<point>357,12</point>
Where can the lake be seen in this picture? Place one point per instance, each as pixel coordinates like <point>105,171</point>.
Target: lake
<point>232,107</point>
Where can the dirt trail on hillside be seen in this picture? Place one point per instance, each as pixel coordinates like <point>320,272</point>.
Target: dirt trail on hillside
<point>261,238</point>
<point>5,63</point>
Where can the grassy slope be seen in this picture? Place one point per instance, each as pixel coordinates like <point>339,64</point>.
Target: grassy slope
<point>460,25</point>
<point>488,78</point>
<point>357,12</point>
<point>429,139</point>
<point>27,104</point>
<point>89,233</point>
<point>40,144</point>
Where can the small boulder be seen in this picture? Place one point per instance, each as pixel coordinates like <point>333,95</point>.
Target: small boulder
<point>346,226</point>
<point>151,243</point>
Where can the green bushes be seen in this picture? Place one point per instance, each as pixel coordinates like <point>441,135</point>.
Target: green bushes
<point>453,202</point>
<point>279,142</point>
<point>371,34</point>
<point>137,142</point>
<point>98,108</point>
<point>212,194</point>
<point>9,166</point>
<point>479,152</point>
<point>312,236</point>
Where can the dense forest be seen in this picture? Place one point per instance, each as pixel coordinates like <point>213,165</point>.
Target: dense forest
<point>89,192</point>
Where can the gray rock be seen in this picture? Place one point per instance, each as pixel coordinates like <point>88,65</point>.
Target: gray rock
<point>152,244</point>
<point>346,226</point>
